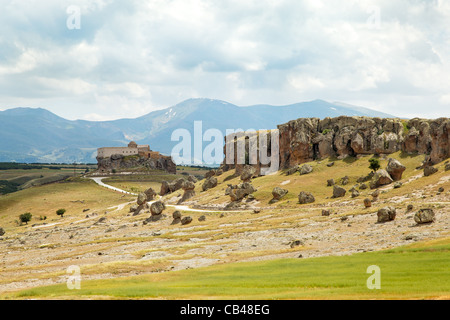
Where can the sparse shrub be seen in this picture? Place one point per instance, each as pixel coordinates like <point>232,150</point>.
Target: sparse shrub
<point>326,131</point>
<point>25,217</point>
<point>43,218</point>
<point>374,164</point>
<point>114,171</point>
<point>61,212</point>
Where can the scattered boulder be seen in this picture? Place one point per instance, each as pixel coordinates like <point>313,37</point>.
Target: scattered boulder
<point>2,232</point>
<point>306,169</point>
<point>395,169</point>
<point>247,173</point>
<point>202,218</point>
<point>306,197</point>
<point>410,208</point>
<point>441,189</point>
<point>428,171</point>
<point>210,183</point>
<point>278,193</point>
<point>338,192</point>
<point>355,193</point>
<point>192,178</point>
<point>176,217</point>
<point>189,191</point>
<point>375,195</point>
<point>150,193</point>
<point>330,183</point>
<point>186,220</point>
<point>386,214</point>
<point>447,167</point>
<point>363,186</point>
<point>239,192</point>
<point>344,180</point>
<point>381,178</point>
<point>398,185</point>
<point>296,243</point>
<point>329,165</point>
<point>210,174</point>
<point>157,208</point>
<point>165,188</point>
<point>133,208</point>
<point>424,216</point>
<point>293,170</point>
<point>142,199</point>
<point>367,203</point>
<point>326,213</point>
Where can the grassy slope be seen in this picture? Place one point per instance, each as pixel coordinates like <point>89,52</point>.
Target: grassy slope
<point>413,272</point>
<point>316,183</point>
<point>45,200</point>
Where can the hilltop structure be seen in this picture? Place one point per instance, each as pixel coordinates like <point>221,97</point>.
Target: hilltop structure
<point>132,156</point>
<point>132,149</point>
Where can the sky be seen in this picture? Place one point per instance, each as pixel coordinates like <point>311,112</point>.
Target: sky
<point>110,59</point>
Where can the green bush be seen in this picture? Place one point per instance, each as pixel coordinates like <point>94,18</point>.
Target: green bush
<point>374,164</point>
<point>61,212</point>
<point>25,217</point>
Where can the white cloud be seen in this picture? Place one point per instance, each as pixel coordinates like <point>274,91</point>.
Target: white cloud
<point>132,57</point>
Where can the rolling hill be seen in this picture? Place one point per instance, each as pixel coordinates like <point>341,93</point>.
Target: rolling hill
<point>37,135</point>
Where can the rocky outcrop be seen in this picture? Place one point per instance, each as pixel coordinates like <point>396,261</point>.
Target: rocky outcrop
<point>121,162</point>
<point>308,139</point>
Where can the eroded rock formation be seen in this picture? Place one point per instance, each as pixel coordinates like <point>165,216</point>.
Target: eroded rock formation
<point>307,139</point>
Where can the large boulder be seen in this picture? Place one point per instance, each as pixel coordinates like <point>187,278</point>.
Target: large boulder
<point>278,193</point>
<point>395,169</point>
<point>239,192</point>
<point>165,188</point>
<point>306,197</point>
<point>330,183</point>
<point>381,178</point>
<point>142,199</point>
<point>424,216</point>
<point>306,169</point>
<point>338,192</point>
<point>429,170</point>
<point>386,214</point>
<point>150,194</point>
<point>210,183</point>
<point>192,178</point>
<point>367,203</point>
<point>2,232</point>
<point>189,191</point>
<point>157,208</point>
<point>247,173</point>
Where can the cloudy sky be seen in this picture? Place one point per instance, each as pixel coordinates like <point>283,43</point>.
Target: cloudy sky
<point>122,58</point>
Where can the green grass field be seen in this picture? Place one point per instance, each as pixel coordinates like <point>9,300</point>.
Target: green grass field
<point>419,271</point>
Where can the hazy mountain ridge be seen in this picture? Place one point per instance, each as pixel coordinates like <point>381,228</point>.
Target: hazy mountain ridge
<point>38,135</point>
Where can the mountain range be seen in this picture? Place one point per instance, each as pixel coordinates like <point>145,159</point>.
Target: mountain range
<point>35,135</point>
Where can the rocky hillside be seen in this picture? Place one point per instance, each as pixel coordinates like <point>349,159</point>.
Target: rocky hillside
<point>309,139</point>
<point>119,163</point>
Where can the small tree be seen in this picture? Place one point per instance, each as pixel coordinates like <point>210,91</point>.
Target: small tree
<point>374,164</point>
<point>61,212</point>
<point>25,217</point>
